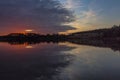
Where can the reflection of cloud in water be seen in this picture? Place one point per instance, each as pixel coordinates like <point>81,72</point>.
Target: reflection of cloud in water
<point>63,61</point>
<point>92,63</point>
<point>37,63</point>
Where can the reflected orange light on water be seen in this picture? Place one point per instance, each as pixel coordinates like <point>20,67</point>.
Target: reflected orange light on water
<point>29,47</point>
<point>16,46</point>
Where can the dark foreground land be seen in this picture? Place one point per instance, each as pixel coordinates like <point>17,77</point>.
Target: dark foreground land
<point>109,37</point>
<point>102,38</point>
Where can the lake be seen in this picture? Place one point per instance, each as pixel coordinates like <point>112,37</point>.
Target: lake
<point>58,61</point>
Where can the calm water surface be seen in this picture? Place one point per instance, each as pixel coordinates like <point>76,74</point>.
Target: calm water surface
<point>62,61</point>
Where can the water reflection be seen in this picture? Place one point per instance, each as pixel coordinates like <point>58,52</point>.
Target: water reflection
<point>43,62</point>
<point>58,61</point>
<point>114,45</point>
<point>29,46</point>
<point>92,63</point>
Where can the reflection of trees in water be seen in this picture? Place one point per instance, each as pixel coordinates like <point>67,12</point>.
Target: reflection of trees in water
<point>40,65</point>
<point>114,45</point>
<point>31,43</point>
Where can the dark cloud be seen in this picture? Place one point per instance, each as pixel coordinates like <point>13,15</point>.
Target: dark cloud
<point>38,14</point>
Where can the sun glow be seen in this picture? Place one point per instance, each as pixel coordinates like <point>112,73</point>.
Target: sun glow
<point>29,30</point>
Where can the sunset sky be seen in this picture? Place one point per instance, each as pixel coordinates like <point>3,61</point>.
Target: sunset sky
<point>56,16</point>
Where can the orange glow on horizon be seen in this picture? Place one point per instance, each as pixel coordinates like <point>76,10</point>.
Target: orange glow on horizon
<point>29,30</point>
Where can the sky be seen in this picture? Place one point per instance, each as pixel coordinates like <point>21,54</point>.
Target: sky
<point>57,16</point>
<point>93,14</point>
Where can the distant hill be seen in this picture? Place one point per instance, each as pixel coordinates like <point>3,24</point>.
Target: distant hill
<point>107,33</point>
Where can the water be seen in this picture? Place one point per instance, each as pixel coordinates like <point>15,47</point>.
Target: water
<point>58,61</point>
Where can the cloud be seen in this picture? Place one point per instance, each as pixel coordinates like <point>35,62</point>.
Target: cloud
<point>87,15</point>
<point>48,15</point>
<point>94,14</point>
<point>73,4</point>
